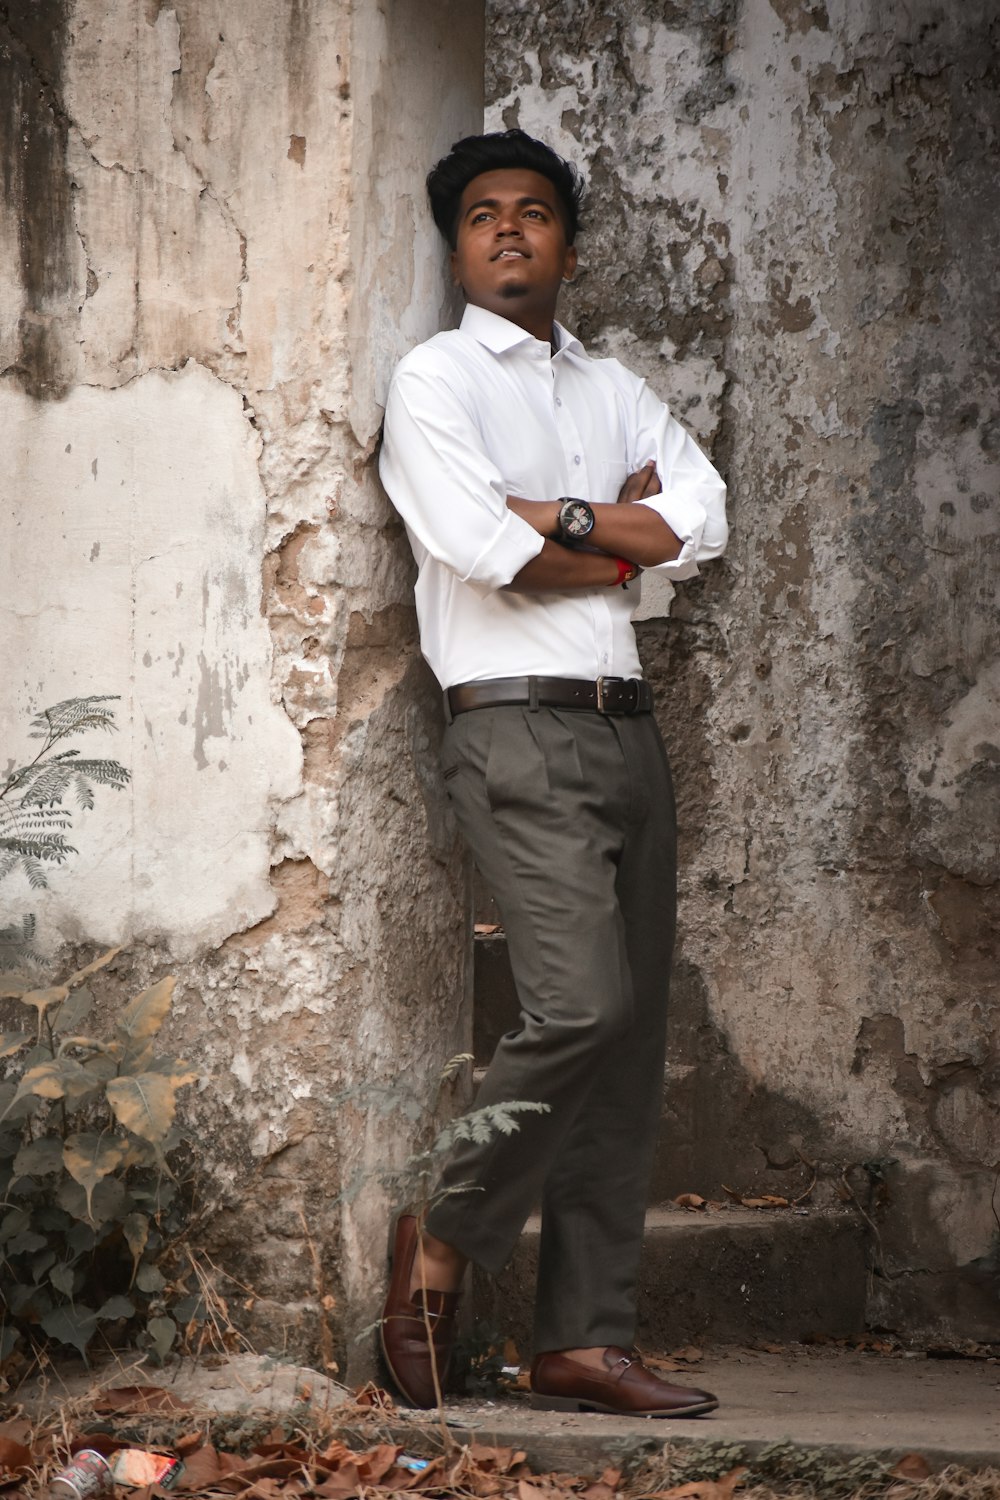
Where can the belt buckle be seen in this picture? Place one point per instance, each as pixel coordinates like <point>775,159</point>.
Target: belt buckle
<point>601,708</point>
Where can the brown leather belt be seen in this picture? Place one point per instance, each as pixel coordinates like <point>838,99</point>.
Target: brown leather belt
<point>608,695</point>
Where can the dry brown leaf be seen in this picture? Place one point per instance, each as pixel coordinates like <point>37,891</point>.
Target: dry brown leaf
<point>17,1430</point>
<point>911,1466</point>
<point>373,1395</point>
<point>378,1462</point>
<point>770,1348</point>
<point>597,1491</point>
<point>15,1458</point>
<point>703,1489</point>
<point>654,1362</point>
<point>526,1491</point>
<point>138,1398</point>
<point>689,1354</point>
<point>731,1193</point>
<point>335,1454</point>
<point>690,1200</point>
<point>486,929</point>
<point>201,1470</point>
<point>340,1486</point>
<point>189,1442</point>
<point>767,1200</point>
<point>500,1460</point>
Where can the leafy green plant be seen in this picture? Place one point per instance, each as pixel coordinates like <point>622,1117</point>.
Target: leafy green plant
<point>781,1467</point>
<point>478,1361</point>
<point>34,818</point>
<point>88,1202</point>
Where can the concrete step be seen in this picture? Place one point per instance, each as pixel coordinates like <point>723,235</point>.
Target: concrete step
<point>731,1275</point>
<point>790,1415</point>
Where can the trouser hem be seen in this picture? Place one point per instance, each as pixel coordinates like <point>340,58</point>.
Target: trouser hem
<point>479,1252</point>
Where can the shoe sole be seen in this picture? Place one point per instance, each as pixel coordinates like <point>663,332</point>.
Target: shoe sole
<point>579,1403</point>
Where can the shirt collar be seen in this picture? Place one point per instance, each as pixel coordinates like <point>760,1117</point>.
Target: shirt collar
<point>500,334</point>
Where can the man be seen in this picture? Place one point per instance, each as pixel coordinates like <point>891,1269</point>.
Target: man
<point>535,484</point>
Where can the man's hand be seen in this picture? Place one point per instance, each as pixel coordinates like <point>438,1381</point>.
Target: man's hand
<point>641,484</point>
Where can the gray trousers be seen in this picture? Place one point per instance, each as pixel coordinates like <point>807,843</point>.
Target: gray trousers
<point>570,817</point>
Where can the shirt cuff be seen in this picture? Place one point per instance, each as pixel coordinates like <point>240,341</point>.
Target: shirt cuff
<point>686,519</point>
<point>514,544</point>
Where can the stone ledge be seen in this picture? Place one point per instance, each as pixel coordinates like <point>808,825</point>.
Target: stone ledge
<point>727,1275</point>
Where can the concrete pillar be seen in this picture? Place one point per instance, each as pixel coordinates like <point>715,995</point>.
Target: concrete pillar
<point>215,248</point>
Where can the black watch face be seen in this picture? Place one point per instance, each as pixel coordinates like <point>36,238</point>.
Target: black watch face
<point>576,518</point>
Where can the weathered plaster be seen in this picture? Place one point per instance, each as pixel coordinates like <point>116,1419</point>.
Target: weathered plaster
<point>787,233</point>
<point>201,313</point>
<point>136,568</point>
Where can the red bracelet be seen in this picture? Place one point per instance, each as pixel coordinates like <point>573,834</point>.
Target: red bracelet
<point>626,572</point>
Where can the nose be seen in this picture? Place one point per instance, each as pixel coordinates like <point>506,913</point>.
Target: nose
<point>507,223</point>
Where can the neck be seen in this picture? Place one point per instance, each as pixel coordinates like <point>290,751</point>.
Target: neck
<point>539,323</point>
<point>540,328</point>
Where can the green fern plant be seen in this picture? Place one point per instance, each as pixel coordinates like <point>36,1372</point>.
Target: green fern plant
<point>414,1181</point>
<point>415,1184</point>
<point>34,818</point>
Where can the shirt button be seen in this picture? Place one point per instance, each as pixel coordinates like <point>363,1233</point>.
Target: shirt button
<point>576,458</point>
<point>559,401</point>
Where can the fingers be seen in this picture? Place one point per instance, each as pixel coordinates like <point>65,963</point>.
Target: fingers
<point>653,485</point>
<point>643,482</point>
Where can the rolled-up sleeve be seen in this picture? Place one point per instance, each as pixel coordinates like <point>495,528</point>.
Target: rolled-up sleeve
<point>438,476</point>
<point>693,496</point>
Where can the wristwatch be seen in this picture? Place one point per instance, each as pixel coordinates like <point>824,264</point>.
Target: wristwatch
<point>576,519</point>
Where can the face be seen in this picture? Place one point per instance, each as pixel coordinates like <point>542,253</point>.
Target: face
<point>511,254</point>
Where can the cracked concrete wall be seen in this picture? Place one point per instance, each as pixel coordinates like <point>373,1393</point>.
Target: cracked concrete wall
<point>217,249</point>
<point>790,232</point>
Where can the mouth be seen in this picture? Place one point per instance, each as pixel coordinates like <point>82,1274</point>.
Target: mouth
<point>510,254</point>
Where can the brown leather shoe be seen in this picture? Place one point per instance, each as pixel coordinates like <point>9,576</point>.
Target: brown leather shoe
<point>403,1329</point>
<point>624,1387</point>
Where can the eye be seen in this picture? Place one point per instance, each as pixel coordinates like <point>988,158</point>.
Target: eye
<point>534,213</point>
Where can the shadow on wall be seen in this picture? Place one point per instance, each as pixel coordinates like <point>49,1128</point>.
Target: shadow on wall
<point>38,189</point>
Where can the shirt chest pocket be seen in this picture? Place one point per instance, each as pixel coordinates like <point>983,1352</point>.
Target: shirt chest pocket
<point>610,478</point>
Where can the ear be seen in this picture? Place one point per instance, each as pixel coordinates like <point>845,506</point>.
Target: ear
<point>453,266</point>
<point>569,263</point>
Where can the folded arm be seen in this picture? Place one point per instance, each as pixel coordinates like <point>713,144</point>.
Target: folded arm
<point>621,529</point>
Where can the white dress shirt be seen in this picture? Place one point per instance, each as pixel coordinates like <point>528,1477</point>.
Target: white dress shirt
<point>486,411</point>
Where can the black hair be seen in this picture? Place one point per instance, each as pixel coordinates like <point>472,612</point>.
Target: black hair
<point>447,181</point>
